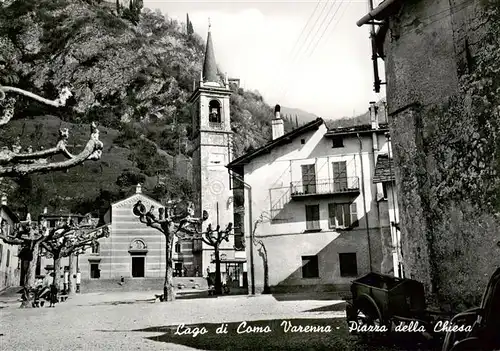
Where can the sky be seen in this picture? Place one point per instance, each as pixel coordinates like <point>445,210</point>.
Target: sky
<point>302,54</point>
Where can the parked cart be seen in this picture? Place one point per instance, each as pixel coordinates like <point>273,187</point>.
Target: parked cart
<point>382,303</point>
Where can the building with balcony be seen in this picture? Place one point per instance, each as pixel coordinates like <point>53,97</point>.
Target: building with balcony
<point>323,219</point>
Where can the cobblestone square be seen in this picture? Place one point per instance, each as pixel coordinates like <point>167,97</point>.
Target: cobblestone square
<point>133,321</point>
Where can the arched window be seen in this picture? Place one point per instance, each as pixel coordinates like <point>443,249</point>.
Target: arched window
<point>177,247</point>
<point>214,112</point>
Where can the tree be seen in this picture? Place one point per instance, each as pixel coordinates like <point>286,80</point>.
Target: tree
<point>213,238</point>
<point>30,236</point>
<point>27,235</point>
<point>262,251</point>
<point>14,163</point>
<point>68,237</point>
<point>133,11</point>
<point>170,224</point>
<point>185,227</point>
<point>189,26</point>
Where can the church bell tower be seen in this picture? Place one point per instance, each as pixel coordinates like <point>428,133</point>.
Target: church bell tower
<point>212,140</point>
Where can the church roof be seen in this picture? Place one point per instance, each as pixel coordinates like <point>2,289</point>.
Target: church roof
<point>210,65</point>
<point>136,197</point>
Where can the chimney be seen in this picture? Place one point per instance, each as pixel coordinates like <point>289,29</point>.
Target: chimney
<point>277,123</point>
<point>374,115</point>
<point>45,210</point>
<point>138,188</point>
<point>4,200</point>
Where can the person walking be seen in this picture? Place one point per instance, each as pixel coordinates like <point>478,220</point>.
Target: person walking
<point>66,280</point>
<point>78,280</point>
<point>53,295</point>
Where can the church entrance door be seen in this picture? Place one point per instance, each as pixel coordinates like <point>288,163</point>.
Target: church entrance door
<point>137,267</point>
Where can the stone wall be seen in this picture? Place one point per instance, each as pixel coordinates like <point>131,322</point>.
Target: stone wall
<point>443,79</point>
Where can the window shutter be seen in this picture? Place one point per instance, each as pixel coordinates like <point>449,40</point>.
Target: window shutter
<point>354,215</point>
<point>339,216</point>
<point>331,215</point>
<point>347,215</point>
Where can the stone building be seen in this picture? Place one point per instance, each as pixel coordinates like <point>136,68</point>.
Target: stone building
<point>325,221</point>
<point>211,142</point>
<point>442,73</point>
<point>10,265</point>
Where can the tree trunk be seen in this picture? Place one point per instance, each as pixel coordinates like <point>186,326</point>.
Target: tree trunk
<point>29,278</point>
<point>168,286</point>
<point>267,289</point>
<point>72,274</point>
<point>57,271</point>
<point>218,282</point>
<point>31,272</point>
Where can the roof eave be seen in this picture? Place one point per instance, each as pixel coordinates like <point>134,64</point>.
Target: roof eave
<point>285,139</point>
<point>381,12</point>
<point>332,134</point>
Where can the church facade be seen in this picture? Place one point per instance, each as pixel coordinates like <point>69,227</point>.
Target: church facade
<point>134,250</point>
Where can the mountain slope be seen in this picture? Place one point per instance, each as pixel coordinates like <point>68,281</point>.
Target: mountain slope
<point>133,79</point>
<point>359,119</point>
<point>296,114</point>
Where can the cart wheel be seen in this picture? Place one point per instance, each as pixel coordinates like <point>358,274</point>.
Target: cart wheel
<point>366,320</point>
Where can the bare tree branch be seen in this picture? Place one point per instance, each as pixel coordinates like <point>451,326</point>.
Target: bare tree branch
<point>64,95</point>
<point>92,151</point>
<point>14,163</point>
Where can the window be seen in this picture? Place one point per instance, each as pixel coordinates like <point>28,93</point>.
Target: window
<point>337,141</point>
<point>214,112</point>
<point>7,262</point>
<point>384,189</point>
<point>302,141</point>
<point>239,236</point>
<point>309,178</point>
<point>342,215</point>
<point>95,272</point>
<point>312,217</point>
<point>239,241</point>
<point>197,245</point>
<point>310,267</point>
<point>339,176</point>
<point>348,264</point>
<point>177,247</point>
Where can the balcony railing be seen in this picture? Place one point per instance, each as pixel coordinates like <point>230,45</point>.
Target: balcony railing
<point>325,187</point>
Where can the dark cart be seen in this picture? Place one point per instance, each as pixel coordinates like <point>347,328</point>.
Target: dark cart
<point>380,303</point>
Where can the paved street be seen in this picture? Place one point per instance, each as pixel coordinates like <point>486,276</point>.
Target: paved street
<point>132,321</point>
